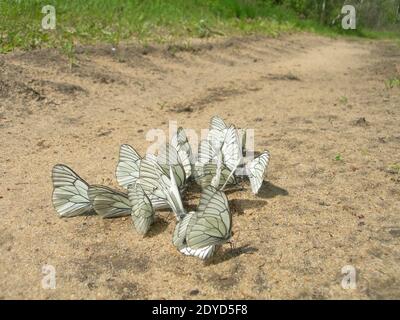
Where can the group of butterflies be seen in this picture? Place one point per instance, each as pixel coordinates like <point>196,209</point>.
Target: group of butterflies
<point>156,182</point>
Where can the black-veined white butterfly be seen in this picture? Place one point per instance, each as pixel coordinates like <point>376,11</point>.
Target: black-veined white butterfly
<point>179,240</point>
<point>70,194</point>
<point>212,223</point>
<point>181,143</point>
<point>231,149</point>
<point>128,166</point>
<point>256,170</point>
<point>142,210</point>
<point>198,233</point>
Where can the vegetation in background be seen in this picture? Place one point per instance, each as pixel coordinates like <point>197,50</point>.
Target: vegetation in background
<point>393,82</point>
<point>89,21</point>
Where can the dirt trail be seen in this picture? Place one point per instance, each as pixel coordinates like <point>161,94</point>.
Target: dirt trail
<point>319,105</point>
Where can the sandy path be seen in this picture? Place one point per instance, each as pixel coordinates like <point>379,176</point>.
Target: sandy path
<point>303,96</point>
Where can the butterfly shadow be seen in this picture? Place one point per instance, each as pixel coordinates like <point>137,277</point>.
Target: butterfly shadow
<point>268,190</point>
<point>239,206</point>
<point>230,254</point>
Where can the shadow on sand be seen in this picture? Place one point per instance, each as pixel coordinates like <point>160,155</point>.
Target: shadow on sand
<point>268,190</point>
<point>230,254</point>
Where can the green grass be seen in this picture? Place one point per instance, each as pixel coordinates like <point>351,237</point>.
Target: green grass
<point>90,21</point>
<point>113,21</point>
<point>393,83</point>
<point>338,157</point>
<point>343,100</point>
<point>394,168</point>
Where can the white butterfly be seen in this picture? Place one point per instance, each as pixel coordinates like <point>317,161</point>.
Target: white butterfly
<point>179,240</point>
<point>222,139</point>
<point>199,233</point>
<point>256,170</point>
<point>181,143</point>
<point>231,149</point>
<point>142,210</point>
<point>128,166</point>
<point>70,194</point>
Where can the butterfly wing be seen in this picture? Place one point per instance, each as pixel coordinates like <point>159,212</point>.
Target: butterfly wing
<point>216,134</point>
<point>142,210</point>
<point>205,173</point>
<point>109,203</point>
<point>203,253</point>
<point>170,189</point>
<point>179,237</point>
<point>168,157</point>
<point>243,138</point>
<point>149,174</point>
<point>256,170</point>
<point>161,186</point>
<point>158,203</point>
<point>216,123</point>
<point>128,166</point>
<point>181,143</point>
<point>231,148</point>
<point>206,153</point>
<point>70,194</point>
<point>212,223</point>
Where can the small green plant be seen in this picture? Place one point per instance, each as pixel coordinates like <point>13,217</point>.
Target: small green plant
<point>338,158</point>
<point>393,83</point>
<point>68,48</point>
<point>343,100</point>
<point>394,168</point>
